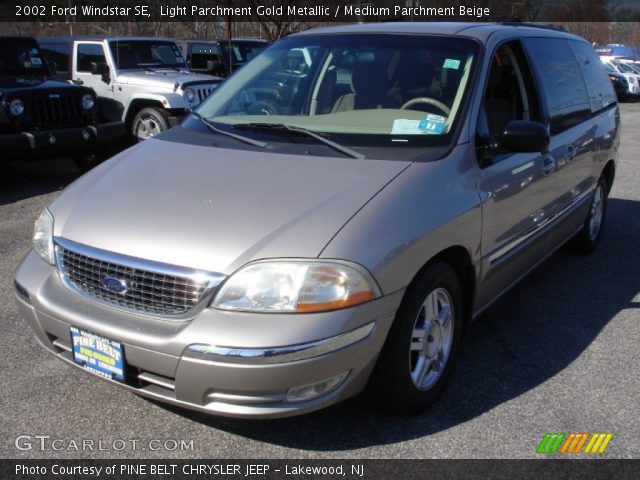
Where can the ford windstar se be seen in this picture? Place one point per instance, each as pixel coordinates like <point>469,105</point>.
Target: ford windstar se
<point>330,219</point>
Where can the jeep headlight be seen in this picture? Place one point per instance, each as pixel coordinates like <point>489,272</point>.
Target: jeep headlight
<point>16,107</point>
<point>296,286</point>
<point>88,101</point>
<point>43,237</point>
<point>189,95</point>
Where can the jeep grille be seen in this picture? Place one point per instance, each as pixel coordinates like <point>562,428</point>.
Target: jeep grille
<point>62,111</point>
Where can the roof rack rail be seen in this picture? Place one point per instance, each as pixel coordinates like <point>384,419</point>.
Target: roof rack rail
<point>545,26</point>
<point>501,19</point>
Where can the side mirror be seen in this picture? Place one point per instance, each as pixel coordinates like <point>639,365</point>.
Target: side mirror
<point>53,68</point>
<point>213,65</point>
<point>524,136</point>
<point>99,68</point>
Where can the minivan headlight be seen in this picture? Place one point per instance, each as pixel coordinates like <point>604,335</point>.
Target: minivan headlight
<point>43,237</point>
<point>296,286</point>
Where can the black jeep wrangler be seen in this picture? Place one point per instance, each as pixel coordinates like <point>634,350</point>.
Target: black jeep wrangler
<point>44,118</point>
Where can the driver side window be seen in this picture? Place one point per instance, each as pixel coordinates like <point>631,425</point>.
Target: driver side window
<point>510,93</point>
<point>89,53</point>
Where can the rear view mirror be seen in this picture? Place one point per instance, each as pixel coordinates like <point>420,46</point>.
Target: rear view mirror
<point>524,136</point>
<point>53,68</point>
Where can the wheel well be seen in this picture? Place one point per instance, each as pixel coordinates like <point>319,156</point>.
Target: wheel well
<point>459,259</point>
<point>138,105</point>
<point>609,174</point>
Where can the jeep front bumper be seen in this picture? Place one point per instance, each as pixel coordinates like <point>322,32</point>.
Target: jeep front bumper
<point>61,141</point>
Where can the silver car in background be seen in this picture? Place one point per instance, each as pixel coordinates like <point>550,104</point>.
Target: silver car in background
<point>319,227</point>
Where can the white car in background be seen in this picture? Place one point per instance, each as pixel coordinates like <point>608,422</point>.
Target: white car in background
<point>617,66</point>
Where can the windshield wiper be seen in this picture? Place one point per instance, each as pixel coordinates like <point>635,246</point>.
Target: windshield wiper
<point>281,127</point>
<point>240,138</point>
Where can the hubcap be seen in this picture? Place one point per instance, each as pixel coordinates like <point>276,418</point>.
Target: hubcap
<point>148,128</point>
<point>596,213</point>
<point>432,339</point>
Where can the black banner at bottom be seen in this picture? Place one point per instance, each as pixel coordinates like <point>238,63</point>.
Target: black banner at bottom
<point>325,469</point>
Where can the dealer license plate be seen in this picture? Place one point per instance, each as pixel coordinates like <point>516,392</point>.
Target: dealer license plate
<point>97,354</point>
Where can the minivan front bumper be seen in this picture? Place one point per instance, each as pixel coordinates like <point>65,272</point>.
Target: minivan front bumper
<point>227,363</point>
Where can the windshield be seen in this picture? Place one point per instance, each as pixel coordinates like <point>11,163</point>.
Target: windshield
<point>146,54</point>
<point>624,68</point>
<point>367,90</point>
<point>21,57</point>
<point>242,52</point>
<point>627,67</point>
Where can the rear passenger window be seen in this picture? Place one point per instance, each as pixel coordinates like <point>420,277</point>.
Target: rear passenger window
<point>561,77</point>
<point>601,93</point>
<point>88,53</point>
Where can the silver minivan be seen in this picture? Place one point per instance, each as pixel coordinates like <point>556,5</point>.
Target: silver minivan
<point>321,227</point>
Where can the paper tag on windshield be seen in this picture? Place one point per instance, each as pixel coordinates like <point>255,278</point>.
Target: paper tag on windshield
<point>402,126</point>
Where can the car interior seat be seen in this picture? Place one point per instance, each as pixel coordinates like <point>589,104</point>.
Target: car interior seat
<point>501,103</point>
<point>368,86</point>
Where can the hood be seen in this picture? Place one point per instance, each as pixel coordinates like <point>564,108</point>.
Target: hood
<point>13,84</point>
<point>164,79</point>
<point>216,209</point>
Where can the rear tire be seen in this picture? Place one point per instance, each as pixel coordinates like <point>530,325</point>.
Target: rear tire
<point>587,240</point>
<point>420,350</point>
<point>148,123</point>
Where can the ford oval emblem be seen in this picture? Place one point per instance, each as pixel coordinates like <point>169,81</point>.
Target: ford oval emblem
<point>114,285</point>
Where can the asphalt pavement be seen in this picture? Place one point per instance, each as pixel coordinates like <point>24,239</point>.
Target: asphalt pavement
<point>559,353</point>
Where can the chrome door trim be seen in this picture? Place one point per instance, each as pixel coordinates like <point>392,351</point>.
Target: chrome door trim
<point>506,251</point>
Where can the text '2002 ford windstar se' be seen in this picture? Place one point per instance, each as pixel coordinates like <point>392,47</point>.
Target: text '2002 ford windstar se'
<point>329,219</point>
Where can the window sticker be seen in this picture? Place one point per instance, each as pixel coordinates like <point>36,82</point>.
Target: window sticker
<point>433,124</point>
<point>34,58</point>
<point>451,63</point>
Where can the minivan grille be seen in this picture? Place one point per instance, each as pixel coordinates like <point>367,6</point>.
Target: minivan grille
<point>150,292</point>
<point>60,111</point>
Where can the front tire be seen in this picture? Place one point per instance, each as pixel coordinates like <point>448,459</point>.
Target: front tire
<point>420,350</point>
<point>148,123</point>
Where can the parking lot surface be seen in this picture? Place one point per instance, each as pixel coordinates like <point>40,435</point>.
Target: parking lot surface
<point>558,353</point>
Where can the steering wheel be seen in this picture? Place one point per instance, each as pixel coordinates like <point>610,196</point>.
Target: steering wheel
<point>430,101</point>
<point>263,107</point>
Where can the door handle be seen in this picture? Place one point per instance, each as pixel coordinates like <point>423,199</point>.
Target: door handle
<point>570,153</point>
<point>78,81</point>
<point>548,166</point>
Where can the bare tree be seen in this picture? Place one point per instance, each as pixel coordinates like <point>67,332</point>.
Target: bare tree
<point>274,26</point>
